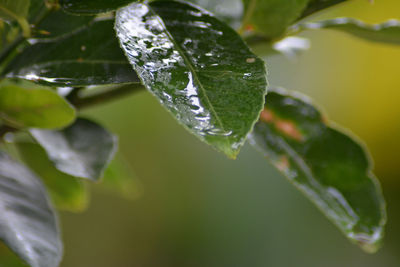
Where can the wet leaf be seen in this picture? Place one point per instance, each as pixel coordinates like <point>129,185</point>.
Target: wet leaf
<point>387,32</point>
<point>67,192</point>
<point>42,108</point>
<point>82,150</point>
<point>27,224</point>
<point>271,17</point>
<point>89,56</point>
<point>92,6</point>
<point>319,5</point>
<point>198,67</point>
<point>332,169</point>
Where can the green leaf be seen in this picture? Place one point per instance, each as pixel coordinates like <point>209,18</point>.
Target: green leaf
<point>58,24</point>
<point>198,67</point>
<point>17,10</point>
<point>387,32</point>
<point>42,108</point>
<point>67,192</point>
<point>28,224</point>
<point>332,169</point>
<point>91,6</point>
<point>88,56</point>
<point>82,150</point>
<point>271,17</point>
<point>319,5</point>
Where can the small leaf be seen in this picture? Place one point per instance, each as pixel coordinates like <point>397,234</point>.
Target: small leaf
<point>387,32</point>
<point>329,167</point>
<point>92,6</point>
<point>82,150</point>
<point>319,5</point>
<point>17,10</point>
<point>67,192</point>
<point>42,108</point>
<point>27,224</point>
<point>88,56</point>
<point>271,17</point>
<point>198,67</point>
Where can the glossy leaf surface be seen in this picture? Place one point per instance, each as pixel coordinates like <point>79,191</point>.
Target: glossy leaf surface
<point>82,150</point>
<point>92,6</point>
<point>329,167</point>
<point>272,17</point>
<point>27,222</point>
<point>387,32</point>
<point>89,56</point>
<point>42,108</point>
<point>67,192</point>
<point>198,67</point>
<point>319,5</point>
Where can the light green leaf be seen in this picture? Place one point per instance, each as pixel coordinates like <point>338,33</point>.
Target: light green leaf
<point>271,17</point>
<point>331,168</point>
<point>198,67</point>
<point>387,32</point>
<point>17,10</point>
<point>42,108</point>
<point>83,149</point>
<point>27,223</point>
<point>67,192</point>
<point>88,56</point>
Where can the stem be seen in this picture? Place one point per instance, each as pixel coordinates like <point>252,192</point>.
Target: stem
<point>106,96</point>
<point>249,12</point>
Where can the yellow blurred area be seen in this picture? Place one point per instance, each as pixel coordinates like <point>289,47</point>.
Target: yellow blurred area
<point>355,81</point>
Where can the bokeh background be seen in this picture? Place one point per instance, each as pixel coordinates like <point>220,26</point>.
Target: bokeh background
<point>192,207</point>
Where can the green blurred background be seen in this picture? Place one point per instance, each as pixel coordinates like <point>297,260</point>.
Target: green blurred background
<point>194,207</point>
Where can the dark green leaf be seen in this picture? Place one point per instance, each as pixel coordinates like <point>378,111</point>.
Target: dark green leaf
<point>42,108</point>
<point>198,67</point>
<point>27,222</point>
<point>88,56</point>
<point>387,32</point>
<point>271,17</point>
<point>67,192</point>
<point>329,167</point>
<point>319,5</point>
<point>82,150</point>
<point>58,23</point>
<point>92,6</point>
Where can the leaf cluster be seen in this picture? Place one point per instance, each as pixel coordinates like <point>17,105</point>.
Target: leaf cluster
<point>59,57</point>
